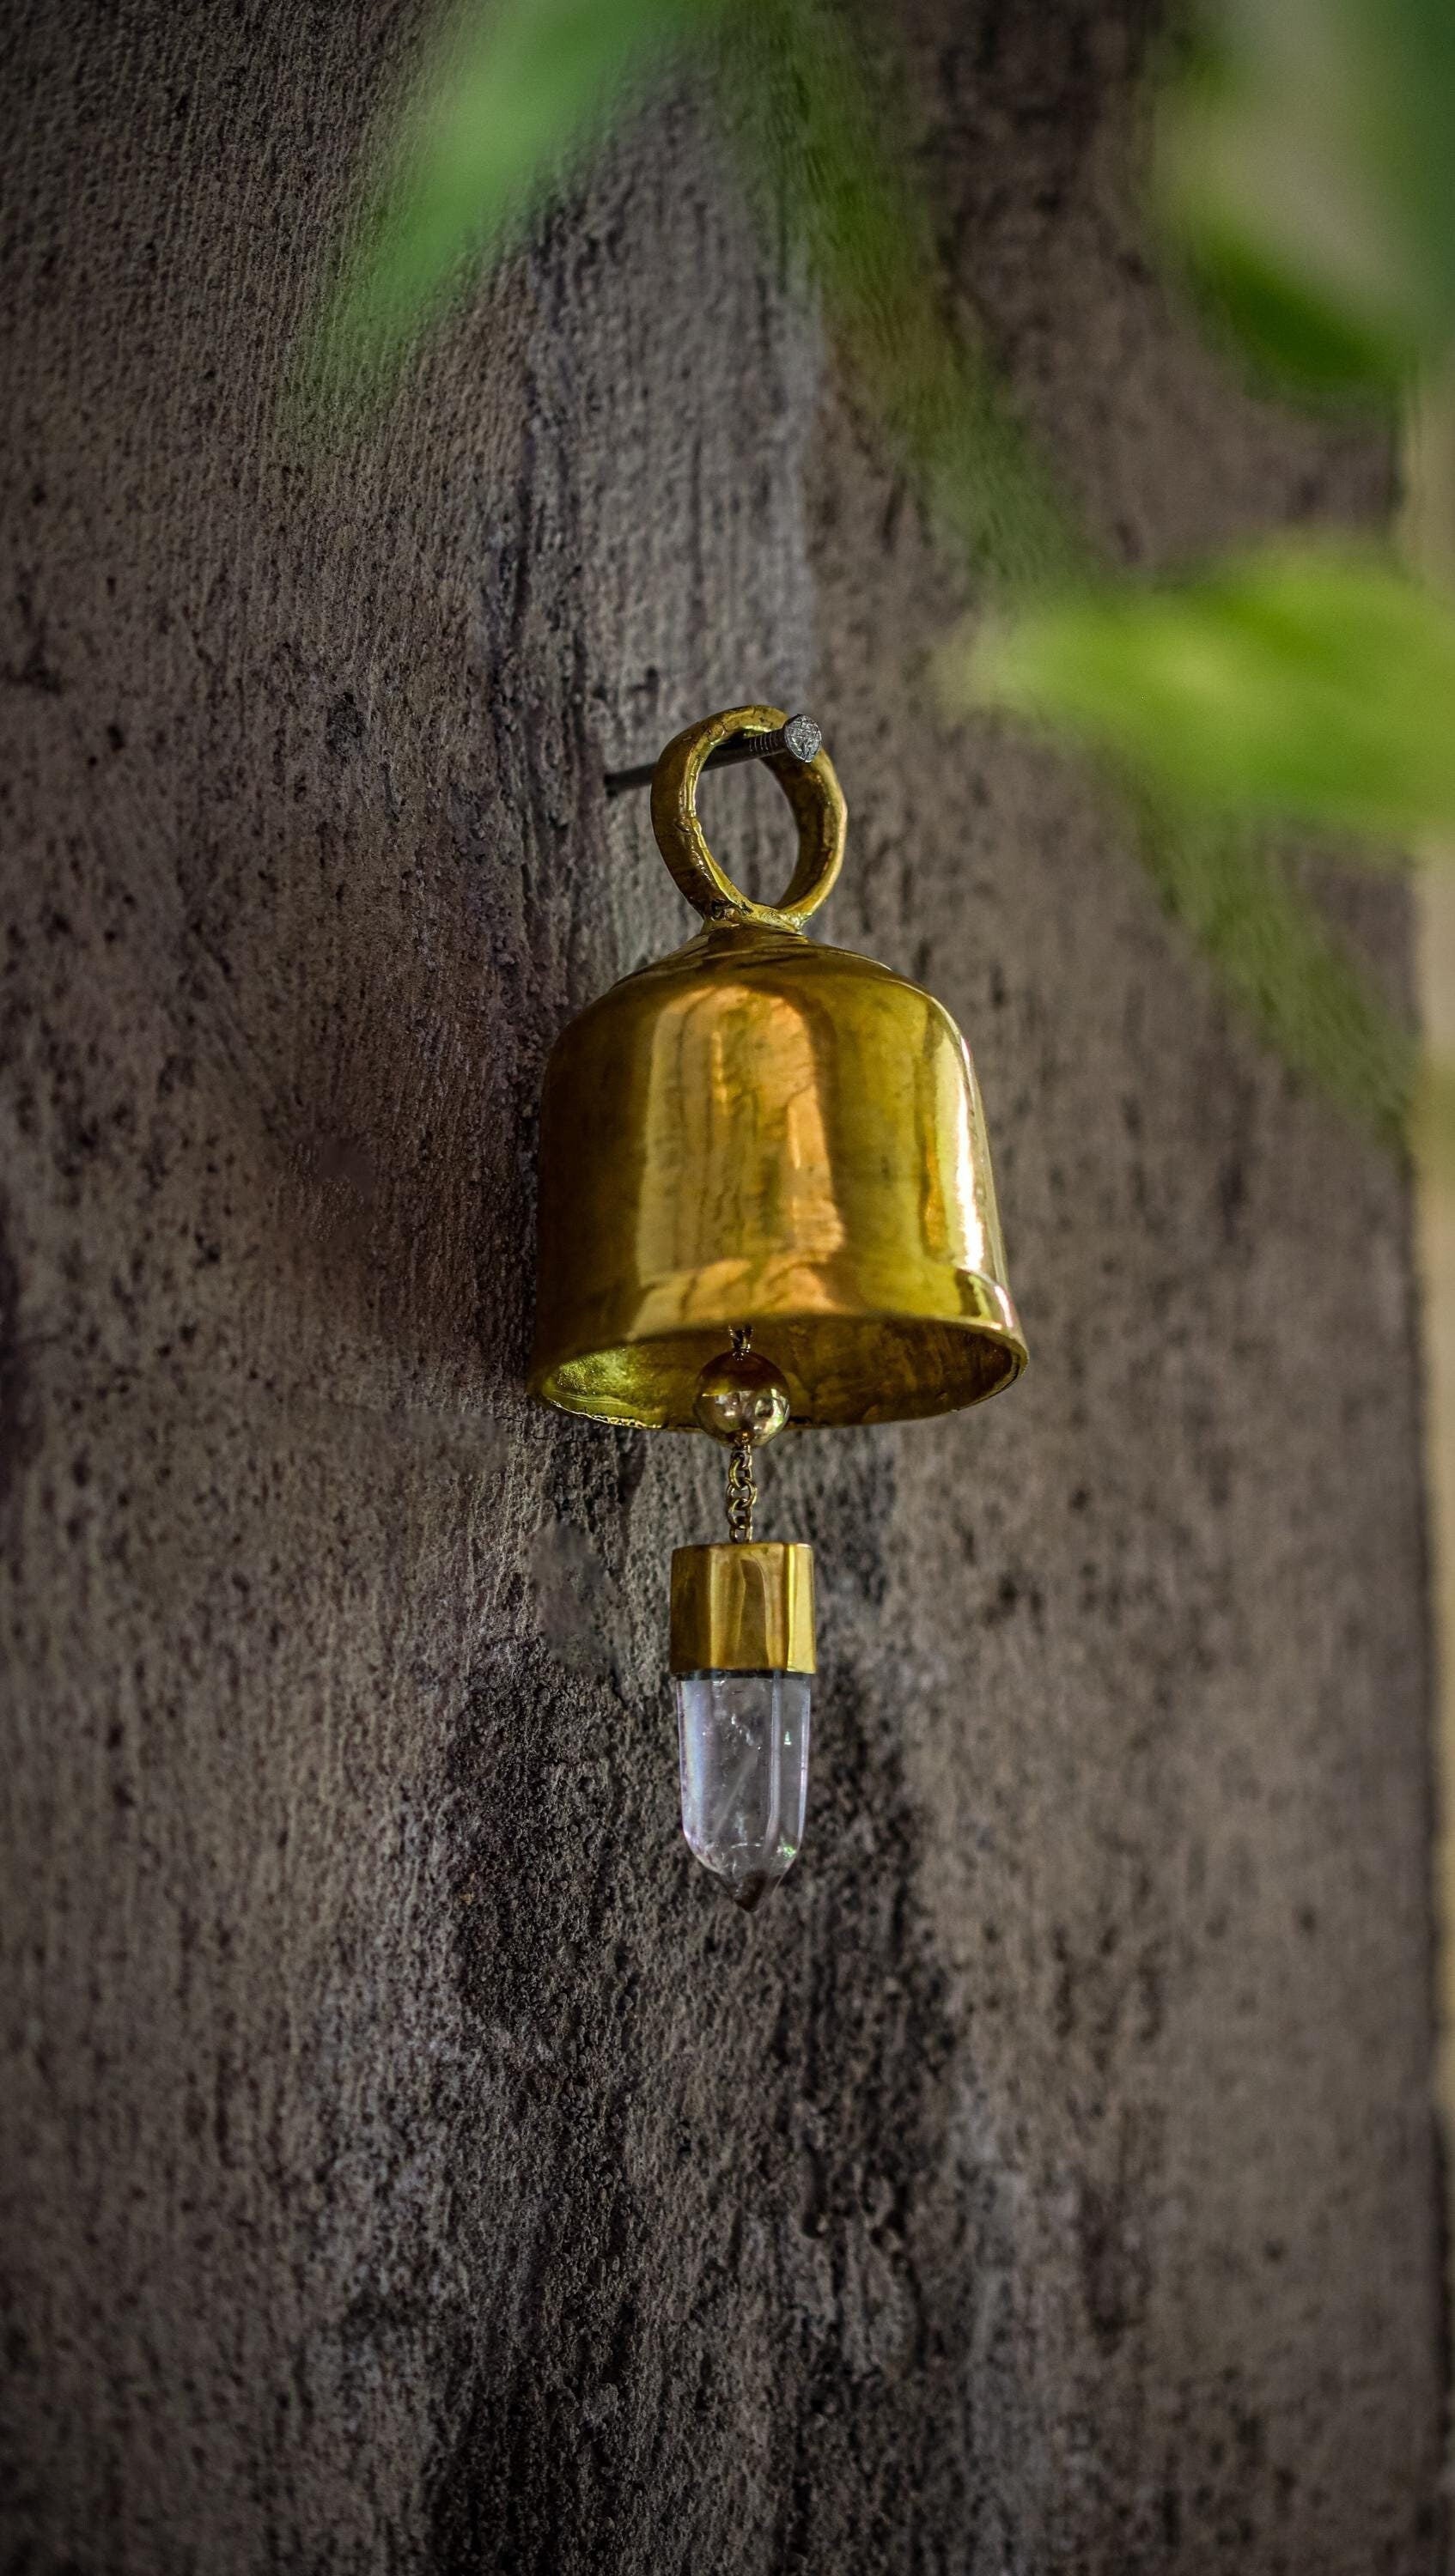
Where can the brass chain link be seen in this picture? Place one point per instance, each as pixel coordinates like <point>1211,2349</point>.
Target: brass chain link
<point>742,1493</point>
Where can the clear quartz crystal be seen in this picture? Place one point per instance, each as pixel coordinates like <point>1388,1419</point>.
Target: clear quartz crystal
<point>744,1745</point>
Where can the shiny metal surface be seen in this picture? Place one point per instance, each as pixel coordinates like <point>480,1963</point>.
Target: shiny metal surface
<point>760,1130</point>
<point>743,1609</point>
<point>741,1397</point>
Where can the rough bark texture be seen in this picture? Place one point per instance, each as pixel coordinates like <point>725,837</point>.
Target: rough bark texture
<point>411,2163</point>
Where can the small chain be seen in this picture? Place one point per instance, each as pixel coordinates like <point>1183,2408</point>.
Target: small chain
<point>742,1493</point>
<point>742,1340</point>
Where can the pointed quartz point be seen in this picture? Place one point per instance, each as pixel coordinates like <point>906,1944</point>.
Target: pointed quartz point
<point>744,1747</point>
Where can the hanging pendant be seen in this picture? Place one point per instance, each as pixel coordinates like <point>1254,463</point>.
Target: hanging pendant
<point>742,1653</point>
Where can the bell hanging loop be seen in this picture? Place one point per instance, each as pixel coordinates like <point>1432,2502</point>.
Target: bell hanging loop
<point>813,793</point>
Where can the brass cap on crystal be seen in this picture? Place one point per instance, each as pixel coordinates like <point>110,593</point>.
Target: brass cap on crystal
<point>762,1130</point>
<point>743,1608</point>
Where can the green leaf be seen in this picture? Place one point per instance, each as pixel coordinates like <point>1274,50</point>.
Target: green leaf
<point>1307,165</point>
<point>1298,681</point>
<point>1307,343</point>
<point>509,89</point>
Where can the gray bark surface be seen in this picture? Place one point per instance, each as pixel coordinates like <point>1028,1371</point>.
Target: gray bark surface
<point>410,2162</point>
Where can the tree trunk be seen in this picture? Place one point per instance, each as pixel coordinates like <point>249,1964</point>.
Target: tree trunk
<point>413,2164</point>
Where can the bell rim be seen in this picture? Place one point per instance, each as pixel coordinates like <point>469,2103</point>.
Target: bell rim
<point>698,1336</point>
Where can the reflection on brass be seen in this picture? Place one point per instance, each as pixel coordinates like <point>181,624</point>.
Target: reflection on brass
<point>763,1131</point>
<point>743,1609</point>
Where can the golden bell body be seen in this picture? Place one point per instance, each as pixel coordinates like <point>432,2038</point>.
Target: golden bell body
<point>763,1131</point>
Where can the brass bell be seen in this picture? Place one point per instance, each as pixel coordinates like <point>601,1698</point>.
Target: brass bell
<point>765,1194</point>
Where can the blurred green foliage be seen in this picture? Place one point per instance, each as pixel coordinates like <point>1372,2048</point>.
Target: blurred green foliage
<point>506,97</point>
<point>1306,170</point>
<point>818,151</point>
<point>1230,887</point>
<point>1291,681</point>
<point>1305,165</point>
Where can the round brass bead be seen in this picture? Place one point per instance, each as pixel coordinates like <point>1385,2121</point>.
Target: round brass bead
<point>741,1396</point>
